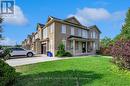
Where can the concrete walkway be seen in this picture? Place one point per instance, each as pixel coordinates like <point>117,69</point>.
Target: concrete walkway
<point>30,60</point>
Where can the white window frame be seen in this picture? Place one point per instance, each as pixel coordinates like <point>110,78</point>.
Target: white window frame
<point>79,32</point>
<point>39,34</point>
<point>84,33</point>
<point>52,27</point>
<point>45,33</point>
<point>94,34</point>
<point>36,35</point>
<point>63,29</point>
<point>91,34</point>
<point>72,31</point>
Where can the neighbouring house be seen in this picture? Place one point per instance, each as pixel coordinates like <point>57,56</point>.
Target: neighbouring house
<point>77,38</point>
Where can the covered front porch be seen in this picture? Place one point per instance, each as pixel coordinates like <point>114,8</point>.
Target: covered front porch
<point>81,46</point>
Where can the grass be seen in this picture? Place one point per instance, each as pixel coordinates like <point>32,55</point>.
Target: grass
<point>89,71</point>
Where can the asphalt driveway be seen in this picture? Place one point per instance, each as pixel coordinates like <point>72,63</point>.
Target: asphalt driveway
<point>30,60</point>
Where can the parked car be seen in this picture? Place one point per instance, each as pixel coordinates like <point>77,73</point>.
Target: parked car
<point>1,50</point>
<point>21,52</point>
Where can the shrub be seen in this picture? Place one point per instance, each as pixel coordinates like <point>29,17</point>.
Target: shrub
<point>61,51</point>
<point>106,44</point>
<point>5,54</point>
<point>121,53</point>
<point>105,50</point>
<point>7,74</point>
<point>67,54</point>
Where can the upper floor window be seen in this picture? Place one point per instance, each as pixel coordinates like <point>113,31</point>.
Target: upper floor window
<point>45,32</point>
<point>79,32</point>
<point>84,34</point>
<point>33,38</point>
<point>72,30</point>
<point>63,28</point>
<point>39,33</point>
<point>94,34</point>
<point>36,35</point>
<point>52,26</point>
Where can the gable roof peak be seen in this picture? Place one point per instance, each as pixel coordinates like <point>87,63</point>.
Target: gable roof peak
<point>94,26</point>
<point>73,19</point>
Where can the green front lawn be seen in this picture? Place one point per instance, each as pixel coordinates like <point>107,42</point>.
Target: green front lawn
<point>89,71</point>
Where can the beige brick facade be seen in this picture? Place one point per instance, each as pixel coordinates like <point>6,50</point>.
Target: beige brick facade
<point>78,39</point>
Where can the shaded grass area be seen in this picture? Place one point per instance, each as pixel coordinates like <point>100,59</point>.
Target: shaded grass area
<point>59,78</point>
<point>87,71</point>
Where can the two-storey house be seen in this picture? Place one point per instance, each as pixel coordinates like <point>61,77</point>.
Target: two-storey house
<point>77,38</point>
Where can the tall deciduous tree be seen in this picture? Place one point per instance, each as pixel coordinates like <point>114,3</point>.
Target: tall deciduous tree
<point>125,33</point>
<point>1,29</point>
<point>105,42</point>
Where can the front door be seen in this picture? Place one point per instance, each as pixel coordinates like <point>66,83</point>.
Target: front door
<point>83,47</point>
<point>43,48</point>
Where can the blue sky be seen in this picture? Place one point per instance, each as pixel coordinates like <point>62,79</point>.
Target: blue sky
<point>108,15</point>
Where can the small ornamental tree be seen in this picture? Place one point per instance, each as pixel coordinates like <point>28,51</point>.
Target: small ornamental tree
<point>121,53</point>
<point>121,49</point>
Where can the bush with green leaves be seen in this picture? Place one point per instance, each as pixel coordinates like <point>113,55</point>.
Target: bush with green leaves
<point>67,54</point>
<point>61,51</point>
<point>105,46</point>
<point>7,74</point>
<point>5,54</point>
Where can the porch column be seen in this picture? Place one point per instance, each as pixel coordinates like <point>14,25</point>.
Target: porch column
<point>47,46</point>
<point>73,47</point>
<point>86,47</point>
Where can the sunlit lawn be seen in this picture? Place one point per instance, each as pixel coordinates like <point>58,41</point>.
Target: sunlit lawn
<point>88,71</point>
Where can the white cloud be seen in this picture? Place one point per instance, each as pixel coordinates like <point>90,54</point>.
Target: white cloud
<point>88,15</point>
<point>18,18</point>
<point>7,41</point>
